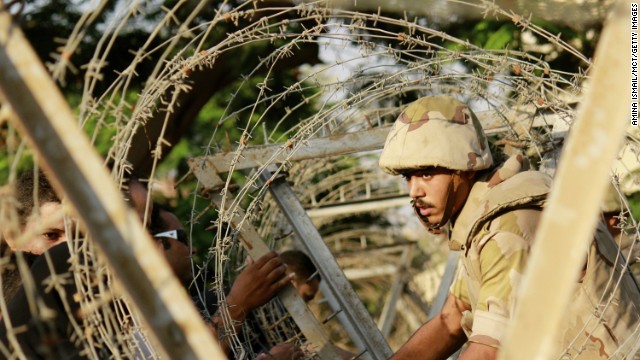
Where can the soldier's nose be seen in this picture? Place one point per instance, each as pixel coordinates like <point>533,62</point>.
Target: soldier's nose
<point>415,191</point>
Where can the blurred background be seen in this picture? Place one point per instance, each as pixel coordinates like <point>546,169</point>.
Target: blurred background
<point>157,83</point>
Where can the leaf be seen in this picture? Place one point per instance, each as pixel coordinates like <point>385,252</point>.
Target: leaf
<point>501,38</point>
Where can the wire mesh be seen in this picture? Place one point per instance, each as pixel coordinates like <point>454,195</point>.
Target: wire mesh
<point>371,66</point>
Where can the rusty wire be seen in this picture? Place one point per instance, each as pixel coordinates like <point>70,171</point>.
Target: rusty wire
<point>381,73</point>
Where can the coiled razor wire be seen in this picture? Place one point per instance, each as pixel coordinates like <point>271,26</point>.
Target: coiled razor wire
<point>367,76</point>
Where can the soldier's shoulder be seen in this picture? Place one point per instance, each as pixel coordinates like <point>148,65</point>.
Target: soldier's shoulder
<point>516,191</point>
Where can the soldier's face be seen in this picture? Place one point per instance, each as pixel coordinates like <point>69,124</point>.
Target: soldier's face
<point>138,194</point>
<point>178,253</point>
<point>432,188</point>
<point>428,188</point>
<point>46,228</point>
<point>306,289</point>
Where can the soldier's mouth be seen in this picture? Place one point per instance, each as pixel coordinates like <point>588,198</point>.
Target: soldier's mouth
<point>424,220</point>
<point>423,213</point>
<point>422,208</point>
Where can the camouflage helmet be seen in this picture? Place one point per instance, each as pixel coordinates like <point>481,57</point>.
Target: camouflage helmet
<point>436,131</point>
<point>612,202</point>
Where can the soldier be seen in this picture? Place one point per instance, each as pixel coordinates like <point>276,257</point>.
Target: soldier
<point>306,278</point>
<point>437,144</point>
<point>39,215</point>
<point>40,225</point>
<point>614,210</point>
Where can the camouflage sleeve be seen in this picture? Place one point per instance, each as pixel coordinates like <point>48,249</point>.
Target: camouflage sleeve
<point>459,286</point>
<point>628,243</point>
<point>503,257</point>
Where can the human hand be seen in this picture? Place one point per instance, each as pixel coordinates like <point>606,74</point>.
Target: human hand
<point>282,351</point>
<point>257,283</point>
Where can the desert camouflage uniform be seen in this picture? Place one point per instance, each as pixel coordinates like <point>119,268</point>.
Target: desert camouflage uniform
<point>613,204</point>
<point>495,230</point>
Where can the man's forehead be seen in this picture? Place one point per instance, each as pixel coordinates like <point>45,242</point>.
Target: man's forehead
<point>137,193</point>
<point>170,219</point>
<point>50,208</point>
<point>50,214</point>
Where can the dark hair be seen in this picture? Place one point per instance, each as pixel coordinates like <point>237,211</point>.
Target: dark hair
<point>25,188</point>
<point>127,179</point>
<point>157,223</point>
<point>299,263</point>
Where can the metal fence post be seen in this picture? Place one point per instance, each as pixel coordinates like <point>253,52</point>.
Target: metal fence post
<point>366,330</point>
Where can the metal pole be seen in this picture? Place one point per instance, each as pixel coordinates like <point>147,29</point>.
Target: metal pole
<point>443,289</point>
<point>365,329</point>
<point>333,304</point>
<point>388,315</point>
<point>256,247</point>
<point>45,118</point>
<point>447,279</point>
<point>359,207</point>
<point>349,143</point>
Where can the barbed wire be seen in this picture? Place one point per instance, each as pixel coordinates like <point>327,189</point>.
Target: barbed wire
<point>371,73</point>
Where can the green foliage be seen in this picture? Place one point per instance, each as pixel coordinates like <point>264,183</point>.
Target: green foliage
<point>224,114</point>
<point>634,205</point>
<point>49,21</point>
<point>9,148</point>
<point>502,38</point>
<point>492,35</point>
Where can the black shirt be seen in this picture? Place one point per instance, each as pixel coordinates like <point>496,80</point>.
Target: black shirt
<point>42,327</point>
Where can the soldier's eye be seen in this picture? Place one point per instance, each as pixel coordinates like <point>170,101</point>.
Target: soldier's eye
<point>426,176</point>
<point>52,235</point>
